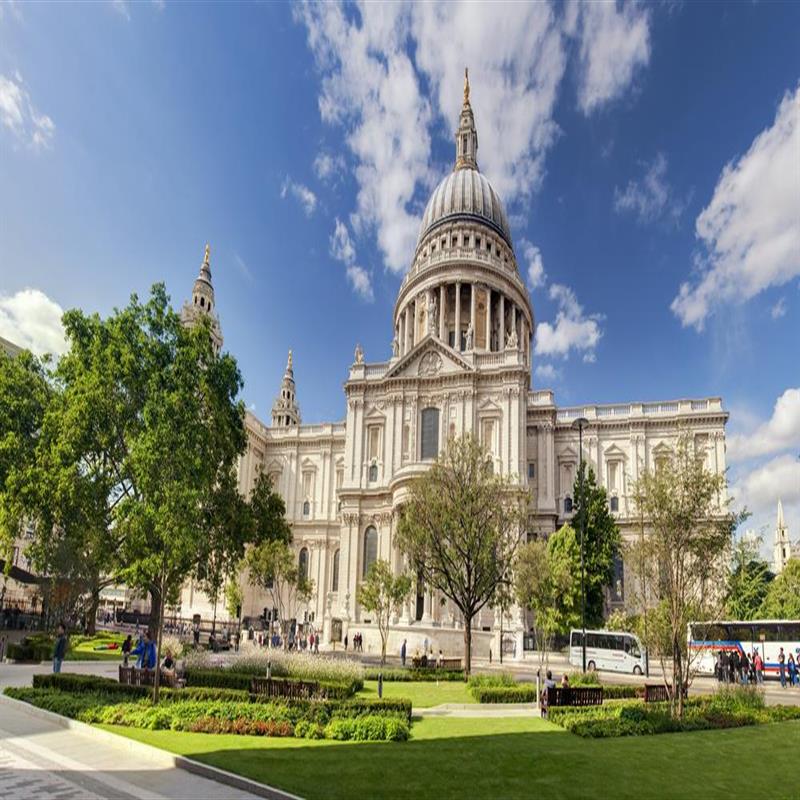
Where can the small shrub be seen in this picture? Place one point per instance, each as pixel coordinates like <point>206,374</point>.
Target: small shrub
<point>368,729</point>
<point>522,693</point>
<point>403,675</point>
<point>491,681</point>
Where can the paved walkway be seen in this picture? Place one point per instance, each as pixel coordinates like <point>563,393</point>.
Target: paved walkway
<point>41,759</point>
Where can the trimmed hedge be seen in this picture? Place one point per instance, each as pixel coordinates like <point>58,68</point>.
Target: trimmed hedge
<point>29,651</point>
<point>491,681</point>
<point>79,684</point>
<point>406,675</point>
<point>640,719</point>
<point>522,693</point>
<point>225,679</point>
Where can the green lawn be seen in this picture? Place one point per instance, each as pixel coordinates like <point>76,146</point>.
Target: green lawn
<point>422,694</point>
<point>85,650</point>
<point>508,758</point>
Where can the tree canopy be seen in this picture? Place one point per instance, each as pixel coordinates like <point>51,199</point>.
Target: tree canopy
<point>783,596</point>
<point>748,582</point>
<point>381,594</point>
<point>460,529</point>
<point>602,542</point>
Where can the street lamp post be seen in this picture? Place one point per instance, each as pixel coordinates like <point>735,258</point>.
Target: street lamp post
<point>579,423</point>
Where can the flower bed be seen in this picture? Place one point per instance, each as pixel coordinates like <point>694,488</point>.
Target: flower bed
<point>182,712</point>
<point>726,709</point>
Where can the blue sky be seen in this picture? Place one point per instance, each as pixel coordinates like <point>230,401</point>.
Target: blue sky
<point>638,148</point>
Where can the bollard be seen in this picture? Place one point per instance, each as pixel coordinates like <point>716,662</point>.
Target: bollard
<point>380,684</point>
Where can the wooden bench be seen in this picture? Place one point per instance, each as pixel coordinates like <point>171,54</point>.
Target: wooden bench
<point>573,696</point>
<point>304,690</point>
<point>446,664</point>
<point>658,693</point>
<point>130,676</point>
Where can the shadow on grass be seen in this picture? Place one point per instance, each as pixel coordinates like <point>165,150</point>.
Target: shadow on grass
<point>521,764</point>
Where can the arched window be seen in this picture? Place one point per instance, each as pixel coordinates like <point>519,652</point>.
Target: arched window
<point>567,505</point>
<point>614,503</point>
<point>335,575</point>
<point>306,508</point>
<point>373,473</point>
<point>370,549</point>
<point>302,564</point>
<point>430,433</point>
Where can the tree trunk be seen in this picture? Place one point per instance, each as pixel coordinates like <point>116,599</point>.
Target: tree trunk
<point>467,646</point>
<point>91,622</point>
<point>156,604</point>
<point>214,618</point>
<point>501,636</point>
<point>160,629</point>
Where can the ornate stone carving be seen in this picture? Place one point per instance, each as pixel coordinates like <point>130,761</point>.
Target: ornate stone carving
<point>470,337</point>
<point>430,364</point>
<point>350,518</point>
<point>358,355</point>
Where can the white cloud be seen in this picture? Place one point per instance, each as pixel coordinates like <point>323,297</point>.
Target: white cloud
<point>327,166</point>
<point>160,4</point>
<point>301,193</point>
<point>393,72</point>
<point>343,249</point>
<point>20,116</point>
<point>779,309</point>
<point>650,197</point>
<point>781,432</point>
<point>572,329</point>
<point>32,320</point>
<point>12,7</point>
<point>614,40</point>
<point>533,256</point>
<point>243,268</point>
<point>750,231</point>
<point>547,372</point>
<point>760,489</point>
<point>121,7</point>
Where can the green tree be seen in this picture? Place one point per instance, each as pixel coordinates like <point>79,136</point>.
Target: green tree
<point>25,393</point>
<point>783,597</point>
<point>151,417</point>
<point>748,582</point>
<point>272,565</point>
<point>543,584</point>
<point>601,544</point>
<point>682,559</point>
<point>233,598</point>
<point>460,529</point>
<point>381,594</point>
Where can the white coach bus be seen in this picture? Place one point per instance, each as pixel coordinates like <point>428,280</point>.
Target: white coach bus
<point>613,651</point>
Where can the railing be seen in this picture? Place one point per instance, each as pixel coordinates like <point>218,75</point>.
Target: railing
<point>574,696</point>
<point>613,411</point>
<point>660,408</point>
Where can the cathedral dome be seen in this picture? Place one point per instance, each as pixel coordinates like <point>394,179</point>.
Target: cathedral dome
<point>465,194</point>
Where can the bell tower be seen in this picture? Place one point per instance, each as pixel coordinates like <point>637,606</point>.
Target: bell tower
<point>203,301</point>
<point>285,411</point>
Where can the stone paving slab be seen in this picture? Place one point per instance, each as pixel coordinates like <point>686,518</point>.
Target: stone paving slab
<point>41,757</point>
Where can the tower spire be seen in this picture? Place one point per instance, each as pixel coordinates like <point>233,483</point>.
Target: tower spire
<point>203,302</point>
<point>285,411</point>
<point>466,135</point>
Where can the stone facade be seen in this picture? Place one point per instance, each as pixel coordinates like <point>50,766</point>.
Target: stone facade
<point>461,362</point>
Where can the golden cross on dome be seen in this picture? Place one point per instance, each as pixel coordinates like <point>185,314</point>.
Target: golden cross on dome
<point>208,254</point>
<point>466,86</point>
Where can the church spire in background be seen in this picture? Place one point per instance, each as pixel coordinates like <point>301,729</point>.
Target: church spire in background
<point>203,301</point>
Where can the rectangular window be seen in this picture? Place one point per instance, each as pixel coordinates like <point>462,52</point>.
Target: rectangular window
<point>430,434</point>
<point>531,470</point>
<point>374,442</point>
<point>612,475</point>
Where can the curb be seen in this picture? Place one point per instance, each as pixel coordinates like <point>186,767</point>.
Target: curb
<point>162,757</point>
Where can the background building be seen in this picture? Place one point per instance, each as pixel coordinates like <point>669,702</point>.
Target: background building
<point>461,362</point>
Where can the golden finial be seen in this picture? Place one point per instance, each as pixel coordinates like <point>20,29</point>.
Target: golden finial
<point>207,257</point>
<point>466,86</point>
<point>289,362</point>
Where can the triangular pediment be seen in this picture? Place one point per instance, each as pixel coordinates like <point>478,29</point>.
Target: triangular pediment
<point>567,454</point>
<point>429,359</point>
<point>614,451</point>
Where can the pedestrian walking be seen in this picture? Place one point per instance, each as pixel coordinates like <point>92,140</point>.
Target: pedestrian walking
<point>758,663</point>
<point>127,646</point>
<point>403,652</point>
<point>791,667</point>
<point>2,648</point>
<point>345,643</point>
<point>745,669</point>
<point>60,649</point>
<point>782,667</point>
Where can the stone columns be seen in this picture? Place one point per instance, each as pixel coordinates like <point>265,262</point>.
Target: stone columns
<point>472,311</point>
<point>501,345</point>
<point>457,338</point>
<point>514,318</point>
<point>442,314</point>
<point>488,319</point>
<point>406,329</point>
